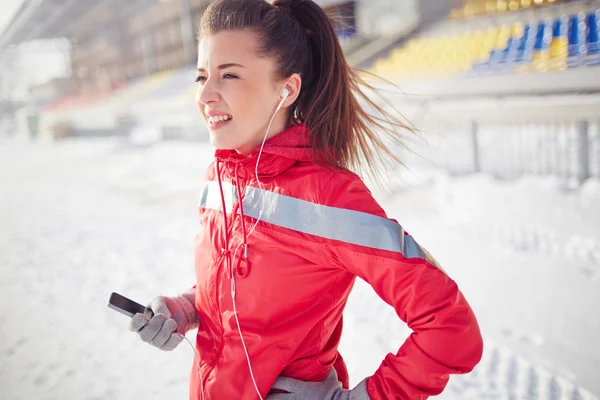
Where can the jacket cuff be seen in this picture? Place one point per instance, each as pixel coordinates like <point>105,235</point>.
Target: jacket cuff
<point>187,301</point>
<point>360,391</point>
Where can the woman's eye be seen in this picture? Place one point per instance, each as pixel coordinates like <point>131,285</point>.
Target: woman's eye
<point>226,76</point>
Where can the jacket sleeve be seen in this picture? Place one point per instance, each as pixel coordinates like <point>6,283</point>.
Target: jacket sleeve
<point>445,336</point>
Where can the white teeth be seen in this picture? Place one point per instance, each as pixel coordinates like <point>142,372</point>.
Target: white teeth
<point>219,118</point>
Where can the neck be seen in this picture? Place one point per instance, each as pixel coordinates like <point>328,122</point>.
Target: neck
<point>279,125</point>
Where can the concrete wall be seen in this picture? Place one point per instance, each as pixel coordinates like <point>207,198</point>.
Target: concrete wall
<point>388,17</point>
<point>385,17</point>
<point>433,10</point>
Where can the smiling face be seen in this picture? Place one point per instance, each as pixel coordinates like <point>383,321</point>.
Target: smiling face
<point>237,91</point>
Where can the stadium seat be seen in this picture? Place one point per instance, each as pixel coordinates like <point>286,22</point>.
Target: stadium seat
<point>473,8</point>
<point>517,42</point>
<point>592,40</point>
<point>577,40</point>
<point>528,47</point>
<point>525,50</point>
<point>541,49</point>
<point>559,47</point>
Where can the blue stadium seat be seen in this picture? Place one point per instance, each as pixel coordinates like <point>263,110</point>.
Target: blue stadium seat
<point>559,47</point>
<point>528,45</point>
<point>593,23</point>
<point>517,46</point>
<point>592,40</point>
<point>543,37</point>
<point>577,47</point>
<point>560,27</point>
<point>498,56</point>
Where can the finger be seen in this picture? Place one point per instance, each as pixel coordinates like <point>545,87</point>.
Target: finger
<point>148,332</point>
<point>164,334</point>
<point>288,384</point>
<point>137,322</point>
<point>158,305</point>
<point>173,342</point>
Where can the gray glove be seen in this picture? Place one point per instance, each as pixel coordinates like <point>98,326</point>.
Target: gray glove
<point>329,389</point>
<point>173,317</point>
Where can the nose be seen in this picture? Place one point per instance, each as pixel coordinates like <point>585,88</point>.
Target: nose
<point>207,93</point>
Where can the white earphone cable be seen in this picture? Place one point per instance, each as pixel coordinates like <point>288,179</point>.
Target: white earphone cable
<point>235,313</point>
<point>197,359</point>
<point>285,95</point>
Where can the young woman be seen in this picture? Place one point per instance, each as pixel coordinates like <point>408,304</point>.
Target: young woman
<point>286,226</point>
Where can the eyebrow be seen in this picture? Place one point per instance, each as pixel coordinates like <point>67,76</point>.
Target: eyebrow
<point>223,66</point>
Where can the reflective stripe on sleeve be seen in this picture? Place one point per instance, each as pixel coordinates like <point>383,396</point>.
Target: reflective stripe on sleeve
<point>349,226</point>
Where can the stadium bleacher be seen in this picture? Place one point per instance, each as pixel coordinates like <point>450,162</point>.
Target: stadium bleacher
<point>472,8</point>
<point>481,38</point>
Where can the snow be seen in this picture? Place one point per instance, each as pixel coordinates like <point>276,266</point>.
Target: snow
<point>83,218</point>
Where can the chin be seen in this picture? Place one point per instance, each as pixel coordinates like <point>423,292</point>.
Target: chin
<point>223,139</point>
<point>220,143</point>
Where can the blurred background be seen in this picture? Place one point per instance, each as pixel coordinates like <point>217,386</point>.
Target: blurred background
<point>102,153</point>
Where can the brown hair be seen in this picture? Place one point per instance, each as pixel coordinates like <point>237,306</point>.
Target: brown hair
<point>300,38</point>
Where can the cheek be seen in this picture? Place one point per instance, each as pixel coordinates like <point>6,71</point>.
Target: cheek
<point>248,109</point>
<point>239,99</point>
<point>256,106</point>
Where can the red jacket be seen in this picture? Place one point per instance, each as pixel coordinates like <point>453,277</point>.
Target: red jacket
<point>318,230</point>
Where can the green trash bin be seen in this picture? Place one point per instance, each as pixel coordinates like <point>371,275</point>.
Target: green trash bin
<point>33,124</point>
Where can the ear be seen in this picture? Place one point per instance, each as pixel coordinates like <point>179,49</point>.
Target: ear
<point>293,84</point>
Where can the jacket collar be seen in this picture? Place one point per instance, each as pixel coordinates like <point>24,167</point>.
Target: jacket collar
<point>280,153</point>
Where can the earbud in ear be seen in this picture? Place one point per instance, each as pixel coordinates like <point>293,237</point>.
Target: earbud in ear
<point>284,94</point>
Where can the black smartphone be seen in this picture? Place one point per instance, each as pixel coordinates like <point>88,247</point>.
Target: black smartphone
<point>126,306</point>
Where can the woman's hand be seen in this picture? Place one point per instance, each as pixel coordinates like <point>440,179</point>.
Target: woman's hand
<point>173,317</point>
<point>329,389</point>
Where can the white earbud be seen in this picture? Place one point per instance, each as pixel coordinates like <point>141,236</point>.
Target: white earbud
<point>284,94</point>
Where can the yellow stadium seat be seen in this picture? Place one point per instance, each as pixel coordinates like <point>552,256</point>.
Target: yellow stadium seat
<point>559,51</point>
<point>502,5</point>
<point>518,29</point>
<point>491,6</point>
<point>526,3</point>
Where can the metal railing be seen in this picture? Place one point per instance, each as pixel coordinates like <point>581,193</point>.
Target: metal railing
<point>509,137</point>
<point>568,149</point>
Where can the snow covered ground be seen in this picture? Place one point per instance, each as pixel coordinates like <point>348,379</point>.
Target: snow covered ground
<point>83,218</point>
